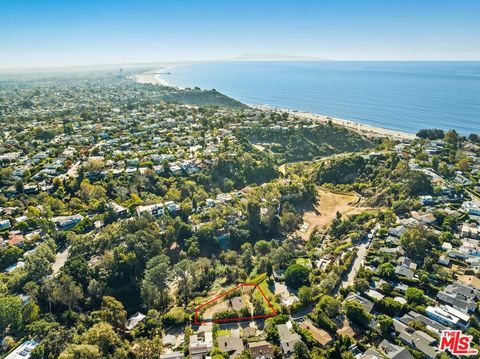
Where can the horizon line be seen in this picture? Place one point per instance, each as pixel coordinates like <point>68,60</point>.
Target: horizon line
<point>235,59</point>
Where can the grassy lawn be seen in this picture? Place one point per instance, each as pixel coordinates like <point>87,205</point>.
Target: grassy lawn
<point>257,278</point>
<point>306,262</point>
<point>270,296</point>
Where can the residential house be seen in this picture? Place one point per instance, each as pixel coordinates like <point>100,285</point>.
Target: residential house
<point>172,207</point>
<point>397,231</point>
<point>404,271</point>
<point>67,222</point>
<point>470,280</point>
<point>134,320</point>
<point>288,338</point>
<point>364,302</point>
<point>460,296</point>
<point>201,343</point>
<point>23,351</point>
<point>371,293</point>
<point>426,218</point>
<point>231,345</point>
<point>169,340</point>
<point>15,239</point>
<point>261,350</point>
<point>155,210</point>
<point>471,208</point>
<point>249,332</point>
<point>473,264</point>
<point>235,303</point>
<point>393,351</point>
<point>14,266</point>
<point>176,170</point>
<point>4,224</point>
<point>462,180</point>
<point>447,246</point>
<point>426,200</point>
<point>120,211</point>
<point>320,335</point>
<point>444,260</point>
<point>430,324</point>
<point>224,197</point>
<point>422,342</point>
<point>448,316</point>
<point>370,353</point>
<point>470,231</point>
<point>470,247</point>
<point>407,263</point>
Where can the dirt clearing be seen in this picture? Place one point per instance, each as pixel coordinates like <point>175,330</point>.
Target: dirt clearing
<point>326,209</point>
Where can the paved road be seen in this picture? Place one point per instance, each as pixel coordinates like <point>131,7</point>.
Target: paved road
<point>60,260</point>
<point>361,253</point>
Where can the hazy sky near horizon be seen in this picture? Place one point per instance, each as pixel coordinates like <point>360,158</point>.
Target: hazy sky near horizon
<point>56,33</point>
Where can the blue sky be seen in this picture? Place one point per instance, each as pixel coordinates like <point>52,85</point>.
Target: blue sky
<point>69,32</point>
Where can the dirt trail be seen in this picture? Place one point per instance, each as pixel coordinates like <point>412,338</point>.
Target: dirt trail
<point>327,206</point>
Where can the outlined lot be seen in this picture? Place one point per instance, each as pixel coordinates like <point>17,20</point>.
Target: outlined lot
<point>203,311</point>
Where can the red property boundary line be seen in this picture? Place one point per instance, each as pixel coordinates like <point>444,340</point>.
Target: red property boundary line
<point>239,319</point>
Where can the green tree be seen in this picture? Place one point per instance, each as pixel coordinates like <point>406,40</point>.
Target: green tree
<point>30,312</point>
<point>10,313</point>
<point>385,324</point>
<point>301,351</point>
<point>103,336</point>
<point>9,255</point>
<point>452,137</point>
<point>185,272</point>
<point>361,285</point>
<point>81,351</point>
<point>113,312</point>
<point>155,283</point>
<point>39,264</point>
<point>415,241</point>
<point>323,321</point>
<point>146,348</point>
<point>357,313</point>
<point>386,270</point>
<point>271,330</point>
<point>416,183</point>
<point>296,276</point>
<point>66,291</point>
<point>305,294</point>
<point>391,306</point>
<point>414,295</point>
<point>262,247</point>
<point>330,306</point>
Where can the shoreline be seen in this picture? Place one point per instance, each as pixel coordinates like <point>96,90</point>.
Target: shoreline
<point>364,129</point>
<point>154,78</point>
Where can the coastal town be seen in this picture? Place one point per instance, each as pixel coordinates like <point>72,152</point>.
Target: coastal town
<point>144,221</point>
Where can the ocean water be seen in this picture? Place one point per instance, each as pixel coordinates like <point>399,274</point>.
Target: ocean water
<point>405,96</point>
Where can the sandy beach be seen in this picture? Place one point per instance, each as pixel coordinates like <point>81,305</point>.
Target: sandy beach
<point>151,78</point>
<point>364,129</point>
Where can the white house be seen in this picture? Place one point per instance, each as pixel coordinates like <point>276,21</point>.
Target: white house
<point>155,210</point>
<point>471,208</point>
<point>23,351</point>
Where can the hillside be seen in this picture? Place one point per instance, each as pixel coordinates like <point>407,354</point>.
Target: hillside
<point>308,142</point>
